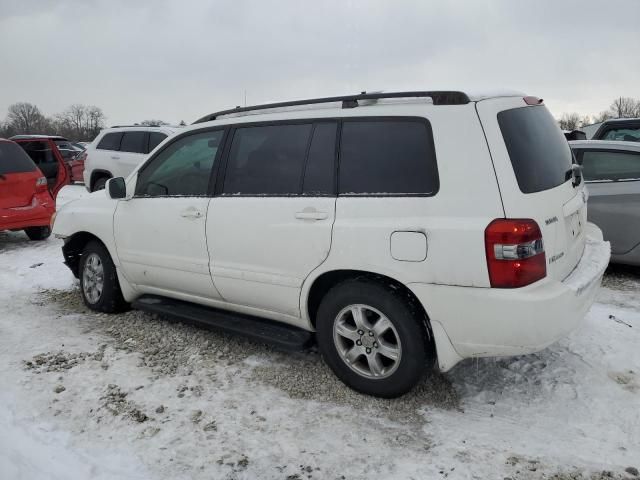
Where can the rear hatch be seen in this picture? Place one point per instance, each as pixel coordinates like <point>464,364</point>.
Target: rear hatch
<point>533,164</point>
<point>18,176</point>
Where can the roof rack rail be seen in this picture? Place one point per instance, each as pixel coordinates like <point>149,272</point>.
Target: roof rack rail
<point>439,97</point>
<point>137,125</point>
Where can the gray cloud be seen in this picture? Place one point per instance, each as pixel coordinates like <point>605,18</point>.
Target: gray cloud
<point>180,60</point>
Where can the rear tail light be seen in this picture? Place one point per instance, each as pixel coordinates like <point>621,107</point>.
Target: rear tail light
<point>515,253</point>
<point>41,185</point>
<point>532,100</point>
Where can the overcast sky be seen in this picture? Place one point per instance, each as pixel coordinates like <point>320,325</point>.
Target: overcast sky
<point>180,59</point>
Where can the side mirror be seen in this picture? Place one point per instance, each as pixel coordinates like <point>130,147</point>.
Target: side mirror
<point>116,188</point>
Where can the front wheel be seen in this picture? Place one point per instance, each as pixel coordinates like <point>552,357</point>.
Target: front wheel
<point>100,184</point>
<point>99,281</point>
<point>372,337</point>
<point>38,233</point>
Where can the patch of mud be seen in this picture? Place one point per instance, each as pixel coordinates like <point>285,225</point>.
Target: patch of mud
<point>60,361</point>
<point>115,401</point>
<point>532,469</point>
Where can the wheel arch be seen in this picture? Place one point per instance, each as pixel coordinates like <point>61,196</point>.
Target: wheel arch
<point>73,247</point>
<point>96,174</point>
<point>321,284</point>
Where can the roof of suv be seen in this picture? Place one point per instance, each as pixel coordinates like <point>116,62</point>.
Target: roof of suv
<point>437,97</point>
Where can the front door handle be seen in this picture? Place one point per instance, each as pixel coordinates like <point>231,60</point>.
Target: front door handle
<point>114,157</point>
<point>309,214</point>
<point>191,213</point>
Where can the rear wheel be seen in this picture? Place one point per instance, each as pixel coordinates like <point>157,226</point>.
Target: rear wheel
<point>99,281</point>
<point>99,184</point>
<point>38,233</point>
<point>372,337</point>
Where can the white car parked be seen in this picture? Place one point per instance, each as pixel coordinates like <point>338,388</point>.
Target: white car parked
<point>117,151</point>
<point>402,228</point>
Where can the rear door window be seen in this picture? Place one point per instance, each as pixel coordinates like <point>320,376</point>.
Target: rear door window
<point>609,165</point>
<point>267,160</point>
<point>539,152</point>
<point>111,141</point>
<point>134,142</point>
<point>387,157</point>
<point>155,139</point>
<point>14,159</point>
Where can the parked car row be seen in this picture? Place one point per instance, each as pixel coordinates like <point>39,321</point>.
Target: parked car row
<point>405,229</point>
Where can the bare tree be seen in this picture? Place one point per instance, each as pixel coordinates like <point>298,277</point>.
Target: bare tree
<point>570,121</point>
<point>625,107</point>
<point>80,122</point>
<point>602,116</point>
<point>26,118</point>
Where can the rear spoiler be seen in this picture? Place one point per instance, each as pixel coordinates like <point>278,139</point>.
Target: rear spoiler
<point>575,135</point>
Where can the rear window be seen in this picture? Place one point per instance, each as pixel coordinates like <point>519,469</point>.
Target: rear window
<point>539,152</point>
<point>111,141</point>
<point>626,134</point>
<point>134,142</point>
<point>155,139</point>
<point>387,157</point>
<point>13,159</point>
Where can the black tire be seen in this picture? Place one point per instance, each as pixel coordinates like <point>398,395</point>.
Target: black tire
<point>38,233</point>
<point>99,184</point>
<point>110,299</point>
<point>409,327</point>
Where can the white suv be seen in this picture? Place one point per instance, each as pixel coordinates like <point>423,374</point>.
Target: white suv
<point>117,151</point>
<point>402,228</point>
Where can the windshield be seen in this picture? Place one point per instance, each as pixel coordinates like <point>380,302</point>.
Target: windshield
<point>539,152</point>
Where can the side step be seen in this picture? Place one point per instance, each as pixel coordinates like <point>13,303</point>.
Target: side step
<point>278,334</point>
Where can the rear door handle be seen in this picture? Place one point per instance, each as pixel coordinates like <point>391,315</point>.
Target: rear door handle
<point>311,215</point>
<point>191,213</point>
<point>113,157</point>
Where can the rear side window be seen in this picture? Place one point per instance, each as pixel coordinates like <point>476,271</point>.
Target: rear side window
<point>134,142</point>
<point>387,157</point>
<point>13,159</point>
<point>111,141</point>
<point>267,160</point>
<point>539,152</point>
<point>627,134</point>
<point>155,139</point>
<point>609,165</point>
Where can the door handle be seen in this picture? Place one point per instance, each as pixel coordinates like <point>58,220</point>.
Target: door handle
<point>113,157</point>
<point>311,215</point>
<point>191,213</point>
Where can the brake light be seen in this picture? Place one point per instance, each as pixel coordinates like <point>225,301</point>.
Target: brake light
<point>41,185</point>
<point>515,253</point>
<point>532,100</point>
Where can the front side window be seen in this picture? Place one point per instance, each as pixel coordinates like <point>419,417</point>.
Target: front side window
<point>627,134</point>
<point>267,160</point>
<point>155,139</point>
<point>609,165</point>
<point>183,168</point>
<point>387,157</point>
<point>111,141</point>
<point>134,142</point>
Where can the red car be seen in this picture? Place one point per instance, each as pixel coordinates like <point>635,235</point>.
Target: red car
<point>27,192</point>
<point>73,156</point>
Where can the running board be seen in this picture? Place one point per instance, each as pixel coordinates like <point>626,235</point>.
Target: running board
<point>280,335</point>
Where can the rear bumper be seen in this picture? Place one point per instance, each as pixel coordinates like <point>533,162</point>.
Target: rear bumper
<point>35,215</point>
<point>487,322</point>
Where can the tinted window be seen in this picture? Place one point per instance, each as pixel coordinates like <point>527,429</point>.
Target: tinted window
<point>267,160</point>
<point>155,139</point>
<point>387,157</point>
<point>183,168</point>
<point>134,142</point>
<point>320,170</point>
<point>13,159</point>
<point>111,141</point>
<point>627,134</point>
<point>539,152</point>
<point>40,152</point>
<point>609,165</point>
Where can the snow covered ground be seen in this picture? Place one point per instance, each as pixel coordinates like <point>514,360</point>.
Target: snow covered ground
<point>135,396</point>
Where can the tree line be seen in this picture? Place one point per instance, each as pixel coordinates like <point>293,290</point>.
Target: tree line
<point>78,122</point>
<point>621,107</point>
